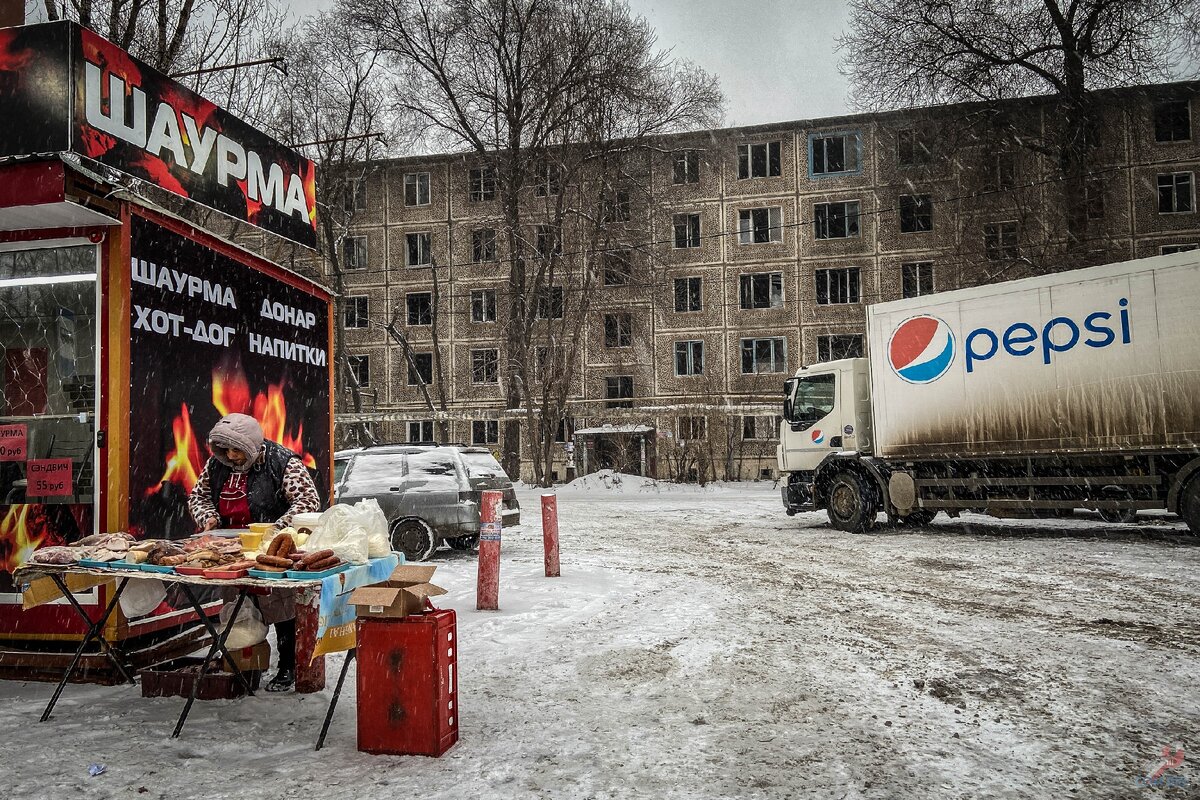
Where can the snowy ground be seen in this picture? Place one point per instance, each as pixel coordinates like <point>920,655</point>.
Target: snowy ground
<point>701,644</point>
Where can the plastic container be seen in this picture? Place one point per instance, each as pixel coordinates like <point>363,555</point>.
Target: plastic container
<point>306,575</point>
<point>307,522</point>
<point>175,679</point>
<point>192,571</point>
<point>225,574</point>
<point>262,573</point>
<point>262,528</point>
<point>144,567</point>
<point>251,541</point>
<point>91,563</point>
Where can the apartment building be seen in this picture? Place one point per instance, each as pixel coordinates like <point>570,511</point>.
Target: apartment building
<point>757,250</point>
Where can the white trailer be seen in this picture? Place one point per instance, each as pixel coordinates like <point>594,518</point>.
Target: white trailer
<point>1079,389</point>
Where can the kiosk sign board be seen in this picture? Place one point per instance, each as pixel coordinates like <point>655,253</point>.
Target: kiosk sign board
<point>65,89</point>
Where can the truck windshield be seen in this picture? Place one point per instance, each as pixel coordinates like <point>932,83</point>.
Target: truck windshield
<point>813,400</point>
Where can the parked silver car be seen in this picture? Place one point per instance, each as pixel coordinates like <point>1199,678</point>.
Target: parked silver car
<point>424,492</point>
<point>485,472</point>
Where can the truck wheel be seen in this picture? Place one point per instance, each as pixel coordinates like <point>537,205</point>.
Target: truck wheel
<point>1189,505</point>
<point>917,517</point>
<point>851,503</point>
<point>1116,515</point>
<point>463,542</point>
<point>414,539</point>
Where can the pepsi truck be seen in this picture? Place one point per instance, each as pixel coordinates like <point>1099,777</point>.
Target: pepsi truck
<point>1033,397</point>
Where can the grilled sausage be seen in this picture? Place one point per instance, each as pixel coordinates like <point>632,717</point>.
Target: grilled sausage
<point>313,558</point>
<point>274,561</point>
<point>327,563</point>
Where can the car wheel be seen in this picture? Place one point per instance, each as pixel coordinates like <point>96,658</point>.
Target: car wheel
<point>463,542</point>
<point>1189,505</point>
<point>414,539</point>
<point>851,503</point>
<point>1115,515</point>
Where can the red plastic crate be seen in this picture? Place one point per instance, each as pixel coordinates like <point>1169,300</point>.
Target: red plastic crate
<point>408,684</point>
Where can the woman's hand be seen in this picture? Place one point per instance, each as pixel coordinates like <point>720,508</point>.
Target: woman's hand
<point>212,523</point>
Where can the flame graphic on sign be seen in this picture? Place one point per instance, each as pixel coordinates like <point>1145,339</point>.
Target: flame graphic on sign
<point>231,394</point>
<point>17,539</point>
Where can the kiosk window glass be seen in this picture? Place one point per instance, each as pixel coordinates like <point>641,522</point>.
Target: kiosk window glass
<point>48,371</point>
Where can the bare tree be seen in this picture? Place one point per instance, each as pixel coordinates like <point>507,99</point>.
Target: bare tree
<point>513,80</point>
<point>904,53</point>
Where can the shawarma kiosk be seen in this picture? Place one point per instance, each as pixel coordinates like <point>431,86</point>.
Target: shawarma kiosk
<point>126,332</point>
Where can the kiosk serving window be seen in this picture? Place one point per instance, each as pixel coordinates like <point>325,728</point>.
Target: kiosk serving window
<point>48,310</point>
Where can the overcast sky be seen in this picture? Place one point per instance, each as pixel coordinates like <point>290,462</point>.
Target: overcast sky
<point>775,58</point>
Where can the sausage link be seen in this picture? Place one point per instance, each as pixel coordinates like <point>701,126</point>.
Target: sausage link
<point>327,563</point>
<point>313,558</point>
<point>274,561</point>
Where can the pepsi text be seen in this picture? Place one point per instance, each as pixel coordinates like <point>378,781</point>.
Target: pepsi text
<point>1058,335</point>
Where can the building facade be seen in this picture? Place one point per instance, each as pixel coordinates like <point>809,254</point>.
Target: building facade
<point>754,251</point>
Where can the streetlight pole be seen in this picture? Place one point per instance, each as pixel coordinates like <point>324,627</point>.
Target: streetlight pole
<point>278,63</point>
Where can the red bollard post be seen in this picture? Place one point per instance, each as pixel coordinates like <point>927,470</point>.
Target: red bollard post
<point>550,534</point>
<point>487,587</point>
<point>310,672</point>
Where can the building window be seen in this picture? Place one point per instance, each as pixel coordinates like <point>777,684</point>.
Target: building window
<point>549,242</point>
<point>835,220</point>
<point>916,213</point>
<point>760,225</point>
<point>356,195</point>
<point>917,278</point>
<point>416,189</point>
<point>481,184</point>
<point>547,181</point>
<point>911,148</point>
<point>615,206</point>
<point>760,429</point>
<point>1172,121</point>
<point>833,153</point>
<point>1167,249</point>
<point>618,390</point>
<point>761,290</point>
<point>1094,189</point>
<point>687,230</point>
<point>360,369</point>
<point>687,166</point>
<point>693,429</point>
<point>483,245</point>
<point>485,431</point>
<point>1175,193</point>
<point>618,330</point>
<point>1002,172</point>
<point>550,303</point>
<point>837,286</point>
<point>485,366</point>
<point>420,430</point>
<point>1001,240</point>
<point>839,345</point>
<point>354,252</point>
<point>618,270</point>
<point>565,426</point>
<point>420,369</point>
<point>418,249</point>
<point>483,305</point>
<point>687,294</point>
<point>764,355</point>
<point>758,160</point>
<point>420,308</point>
<point>689,358</point>
<point>354,314</point>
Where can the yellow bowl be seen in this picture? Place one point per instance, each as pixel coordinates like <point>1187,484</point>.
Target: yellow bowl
<point>261,528</point>
<point>250,541</point>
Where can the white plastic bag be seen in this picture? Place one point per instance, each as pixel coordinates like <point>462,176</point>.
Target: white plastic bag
<point>379,544</point>
<point>141,597</point>
<point>340,530</point>
<point>249,629</point>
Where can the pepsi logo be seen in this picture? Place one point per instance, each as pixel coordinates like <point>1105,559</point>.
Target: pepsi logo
<point>817,436</point>
<point>921,349</point>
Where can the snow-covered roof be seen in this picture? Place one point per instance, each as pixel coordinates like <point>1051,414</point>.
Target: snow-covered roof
<point>614,429</point>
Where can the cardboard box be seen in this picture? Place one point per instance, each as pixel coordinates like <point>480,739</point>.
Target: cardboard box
<point>403,593</point>
<point>255,658</point>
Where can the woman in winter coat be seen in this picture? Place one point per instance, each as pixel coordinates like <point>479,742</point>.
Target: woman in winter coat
<point>251,479</point>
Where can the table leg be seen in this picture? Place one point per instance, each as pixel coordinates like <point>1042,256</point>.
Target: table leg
<point>218,645</point>
<point>337,692</point>
<point>95,631</point>
<point>310,672</point>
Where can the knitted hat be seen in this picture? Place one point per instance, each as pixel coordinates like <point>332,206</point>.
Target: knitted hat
<point>239,431</point>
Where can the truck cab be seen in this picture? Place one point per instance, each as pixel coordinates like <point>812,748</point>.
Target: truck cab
<point>826,420</point>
